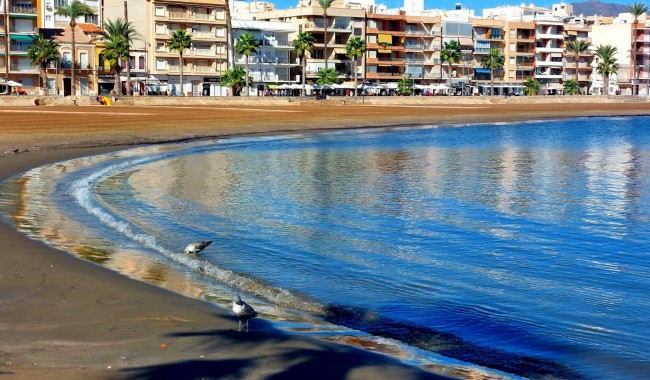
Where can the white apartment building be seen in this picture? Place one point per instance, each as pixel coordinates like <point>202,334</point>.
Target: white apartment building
<point>272,64</point>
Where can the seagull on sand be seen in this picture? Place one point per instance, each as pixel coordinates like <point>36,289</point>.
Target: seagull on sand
<point>197,246</point>
<point>243,311</point>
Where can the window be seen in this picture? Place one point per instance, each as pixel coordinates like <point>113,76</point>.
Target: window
<point>161,64</point>
<point>141,62</point>
<point>132,62</point>
<point>220,14</point>
<point>160,10</point>
<point>221,32</point>
<point>160,29</point>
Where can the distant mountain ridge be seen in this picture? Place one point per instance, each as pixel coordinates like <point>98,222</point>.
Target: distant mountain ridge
<point>597,7</point>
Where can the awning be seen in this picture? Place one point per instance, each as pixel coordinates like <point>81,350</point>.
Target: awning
<point>20,37</point>
<point>482,71</point>
<point>464,41</point>
<point>339,51</point>
<point>572,32</point>
<point>385,38</point>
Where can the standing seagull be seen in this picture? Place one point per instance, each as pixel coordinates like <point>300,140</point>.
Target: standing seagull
<point>197,246</point>
<point>243,311</point>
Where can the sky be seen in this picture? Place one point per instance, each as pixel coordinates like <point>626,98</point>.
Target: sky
<point>477,5</point>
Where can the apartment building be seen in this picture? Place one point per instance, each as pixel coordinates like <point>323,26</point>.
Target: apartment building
<point>549,52</point>
<point>385,45</point>
<point>343,22</point>
<point>422,48</point>
<point>578,67</point>
<point>18,28</point>
<point>49,18</point>
<point>273,63</point>
<point>155,66</point>
<point>641,52</point>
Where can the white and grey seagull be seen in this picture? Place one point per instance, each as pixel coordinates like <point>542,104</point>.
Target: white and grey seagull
<point>197,246</point>
<point>243,311</point>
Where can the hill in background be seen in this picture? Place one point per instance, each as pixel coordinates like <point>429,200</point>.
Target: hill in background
<point>597,7</point>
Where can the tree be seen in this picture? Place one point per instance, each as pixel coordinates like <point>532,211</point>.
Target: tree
<point>73,10</point>
<point>116,48</point>
<point>303,44</point>
<point>577,47</point>
<point>327,76</point>
<point>451,54</point>
<point>40,53</point>
<point>636,9</point>
<point>531,86</point>
<point>354,49</point>
<point>608,64</point>
<point>493,61</point>
<point>246,45</point>
<point>325,4</point>
<point>120,27</point>
<point>571,87</point>
<point>405,86</point>
<point>234,79</point>
<point>180,41</point>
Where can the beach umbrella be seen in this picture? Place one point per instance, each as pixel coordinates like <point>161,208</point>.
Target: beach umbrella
<point>11,83</point>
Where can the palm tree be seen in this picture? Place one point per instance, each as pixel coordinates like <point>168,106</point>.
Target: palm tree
<point>40,53</point>
<point>493,61</point>
<point>636,9</point>
<point>531,86</point>
<point>180,41</point>
<point>354,49</point>
<point>405,86</point>
<point>246,45</point>
<point>451,54</point>
<point>116,48</point>
<point>234,79</point>
<point>120,27</point>
<point>325,4</point>
<point>571,87</point>
<point>577,47</point>
<point>327,76</point>
<point>73,10</point>
<point>303,44</point>
<point>608,63</point>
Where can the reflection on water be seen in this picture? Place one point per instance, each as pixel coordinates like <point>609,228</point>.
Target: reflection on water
<point>494,244</point>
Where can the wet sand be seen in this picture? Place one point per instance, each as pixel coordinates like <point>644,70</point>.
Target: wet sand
<point>61,317</point>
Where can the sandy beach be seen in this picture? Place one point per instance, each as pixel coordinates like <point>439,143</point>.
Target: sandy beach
<point>64,318</point>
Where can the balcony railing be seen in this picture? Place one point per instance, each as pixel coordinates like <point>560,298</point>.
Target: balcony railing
<point>23,10</point>
<point>204,69</point>
<point>22,48</point>
<point>414,46</point>
<point>203,16</point>
<point>178,15</point>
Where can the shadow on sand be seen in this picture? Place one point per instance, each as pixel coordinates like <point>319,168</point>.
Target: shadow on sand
<point>266,352</point>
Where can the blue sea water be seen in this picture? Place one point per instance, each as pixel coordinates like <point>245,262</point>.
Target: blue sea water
<point>518,247</point>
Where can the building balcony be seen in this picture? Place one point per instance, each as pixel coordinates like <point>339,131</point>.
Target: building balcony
<point>417,33</point>
<point>413,47</point>
<point>23,10</point>
<point>396,76</point>
<point>488,37</point>
<point>549,63</point>
<point>544,49</point>
<point>434,75</point>
<point>550,36</point>
<point>267,60</point>
<point>526,37</point>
